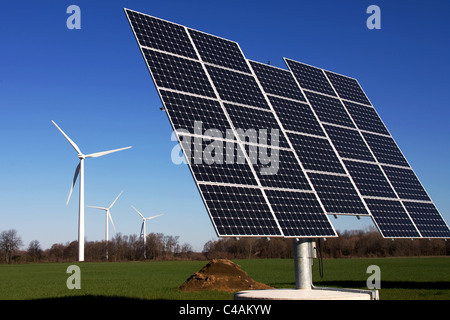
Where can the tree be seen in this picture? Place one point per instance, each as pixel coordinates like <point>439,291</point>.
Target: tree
<point>9,242</point>
<point>34,251</point>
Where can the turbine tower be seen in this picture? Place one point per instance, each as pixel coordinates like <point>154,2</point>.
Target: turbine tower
<point>143,232</point>
<point>108,216</point>
<point>79,171</point>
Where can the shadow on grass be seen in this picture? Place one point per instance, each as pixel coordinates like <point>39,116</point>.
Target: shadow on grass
<point>439,285</point>
<point>89,297</point>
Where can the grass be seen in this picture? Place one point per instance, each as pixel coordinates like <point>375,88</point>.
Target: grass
<point>401,278</point>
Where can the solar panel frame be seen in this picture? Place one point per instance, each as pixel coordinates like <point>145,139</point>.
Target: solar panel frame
<point>385,168</point>
<point>180,140</point>
<point>345,89</point>
<point>375,217</point>
<point>207,67</point>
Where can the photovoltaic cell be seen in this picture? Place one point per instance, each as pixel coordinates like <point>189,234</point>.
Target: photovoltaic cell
<point>316,153</point>
<point>385,149</point>
<point>337,194</point>
<point>392,219</point>
<point>219,51</point>
<point>194,114</point>
<point>239,211</point>
<point>299,214</point>
<point>366,118</point>
<point>210,161</point>
<point>257,125</point>
<point>369,179</point>
<point>406,183</point>
<point>309,77</point>
<point>277,81</point>
<point>347,88</point>
<point>348,143</point>
<point>296,116</point>
<point>329,109</point>
<point>172,72</point>
<point>427,219</point>
<point>277,168</point>
<point>237,87</point>
<point>162,35</point>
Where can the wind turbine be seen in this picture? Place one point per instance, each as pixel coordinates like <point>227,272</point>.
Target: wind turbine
<point>108,216</point>
<point>143,233</point>
<point>79,171</point>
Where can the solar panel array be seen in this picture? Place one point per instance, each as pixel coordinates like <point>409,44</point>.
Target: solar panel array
<point>273,152</point>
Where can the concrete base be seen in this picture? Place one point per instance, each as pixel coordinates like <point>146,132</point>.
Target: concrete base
<point>307,294</point>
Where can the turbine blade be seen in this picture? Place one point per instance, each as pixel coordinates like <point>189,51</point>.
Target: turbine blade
<point>74,145</point>
<point>138,212</point>
<point>102,208</point>
<point>99,154</point>
<point>142,227</point>
<point>115,200</point>
<point>149,218</point>
<point>77,172</point>
<point>110,219</point>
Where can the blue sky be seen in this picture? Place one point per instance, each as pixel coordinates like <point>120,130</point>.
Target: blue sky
<point>94,84</point>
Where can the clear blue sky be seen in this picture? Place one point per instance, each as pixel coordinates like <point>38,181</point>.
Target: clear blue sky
<point>94,83</point>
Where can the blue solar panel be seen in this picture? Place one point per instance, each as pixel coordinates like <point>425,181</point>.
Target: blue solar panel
<point>349,143</point>
<point>219,51</point>
<point>310,78</point>
<point>347,88</point>
<point>172,72</point>
<point>276,81</point>
<point>162,35</point>
<point>392,219</point>
<point>273,151</point>
<point>329,109</point>
<point>239,211</point>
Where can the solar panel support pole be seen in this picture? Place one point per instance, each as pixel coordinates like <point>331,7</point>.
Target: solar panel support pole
<point>303,263</point>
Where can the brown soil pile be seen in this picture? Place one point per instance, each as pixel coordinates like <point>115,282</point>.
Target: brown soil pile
<point>221,275</point>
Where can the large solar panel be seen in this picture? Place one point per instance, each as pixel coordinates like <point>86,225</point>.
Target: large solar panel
<point>273,152</point>
<point>374,162</point>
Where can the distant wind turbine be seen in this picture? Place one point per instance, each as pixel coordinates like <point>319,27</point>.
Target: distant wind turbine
<point>79,171</point>
<point>108,216</point>
<point>143,232</point>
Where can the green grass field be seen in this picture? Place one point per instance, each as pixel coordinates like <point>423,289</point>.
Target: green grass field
<point>401,278</point>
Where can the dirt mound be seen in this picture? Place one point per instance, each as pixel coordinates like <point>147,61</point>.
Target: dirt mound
<point>221,275</point>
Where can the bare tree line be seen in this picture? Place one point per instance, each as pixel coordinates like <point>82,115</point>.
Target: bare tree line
<point>120,248</point>
<point>349,244</point>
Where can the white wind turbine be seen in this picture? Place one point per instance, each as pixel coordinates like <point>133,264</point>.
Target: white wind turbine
<point>79,171</point>
<point>108,216</point>
<point>143,233</point>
